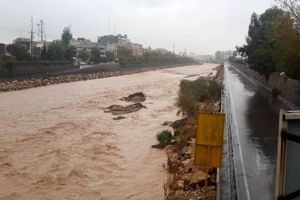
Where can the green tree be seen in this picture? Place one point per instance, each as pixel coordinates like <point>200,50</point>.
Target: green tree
<point>19,51</point>
<point>293,7</point>
<point>84,55</point>
<point>70,52</point>
<point>56,51</point>
<point>95,55</point>
<point>273,43</point>
<point>286,53</point>
<point>125,55</point>
<point>66,36</point>
<point>109,56</point>
<point>260,46</point>
<point>44,52</point>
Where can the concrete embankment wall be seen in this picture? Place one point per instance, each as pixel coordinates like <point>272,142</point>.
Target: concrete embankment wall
<point>10,70</point>
<point>40,69</point>
<point>289,88</point>
<point>112,67</point>
<point>88,73</point>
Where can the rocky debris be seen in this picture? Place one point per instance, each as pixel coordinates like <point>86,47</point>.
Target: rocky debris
<point>180,184</point>
<point>166,123</point>
<point>219,76</point>
<point>193,195</point>
<point>37,82</point>
<point>122,110</point>
<point>195,178</point>
<point>137,97</point>
<point>178,123</point>
<point>209,106</point>
<point>119,118</point>
<point>185,180</point>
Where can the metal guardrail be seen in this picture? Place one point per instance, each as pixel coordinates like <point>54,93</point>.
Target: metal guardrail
<point>227,183</point>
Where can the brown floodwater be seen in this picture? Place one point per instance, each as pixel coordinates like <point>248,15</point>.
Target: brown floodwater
<point>56,142</point>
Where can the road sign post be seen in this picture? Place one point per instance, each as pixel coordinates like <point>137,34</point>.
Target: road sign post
<point>209,141</point>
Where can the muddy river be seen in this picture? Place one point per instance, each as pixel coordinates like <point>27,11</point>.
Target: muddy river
<point>56,142</point>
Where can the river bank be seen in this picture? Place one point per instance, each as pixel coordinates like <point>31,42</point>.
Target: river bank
<point>86,74</point>
<point>185,180</point>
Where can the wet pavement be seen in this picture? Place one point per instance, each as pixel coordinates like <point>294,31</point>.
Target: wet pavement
<point>253,127</point>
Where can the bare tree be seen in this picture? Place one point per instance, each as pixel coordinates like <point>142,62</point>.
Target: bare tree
<point>293,7</point>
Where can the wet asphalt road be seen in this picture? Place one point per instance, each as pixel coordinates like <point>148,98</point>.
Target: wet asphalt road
<point>253,124</point>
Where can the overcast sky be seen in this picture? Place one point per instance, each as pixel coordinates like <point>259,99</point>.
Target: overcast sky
<point>201,26</point>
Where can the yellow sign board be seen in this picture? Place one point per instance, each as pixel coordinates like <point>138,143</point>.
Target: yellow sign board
<point>213,158</point>
<point>209,139</point>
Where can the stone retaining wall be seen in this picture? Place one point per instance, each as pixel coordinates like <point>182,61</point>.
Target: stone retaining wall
<point>289,88</point>
<point>99,71</point>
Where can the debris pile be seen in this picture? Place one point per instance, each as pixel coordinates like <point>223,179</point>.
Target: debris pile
<point>185,180</point>
<point>137,97</point>
<point>122,110</point>
<point>119,110</point>
<point>118,118</point>
<point>43,81</point>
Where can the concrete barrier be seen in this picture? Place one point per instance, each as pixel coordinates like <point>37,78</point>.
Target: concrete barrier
<point>23,69</point>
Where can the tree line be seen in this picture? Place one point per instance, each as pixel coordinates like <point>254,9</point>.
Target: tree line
<point>273,41</point>
<point>61,50</point>
<point>57,50</point>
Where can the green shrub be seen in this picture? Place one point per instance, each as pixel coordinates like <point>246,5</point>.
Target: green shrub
<point>164,138</point>
<point>193,92</point>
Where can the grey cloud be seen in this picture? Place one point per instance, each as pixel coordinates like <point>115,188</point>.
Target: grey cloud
<point>202,26</point>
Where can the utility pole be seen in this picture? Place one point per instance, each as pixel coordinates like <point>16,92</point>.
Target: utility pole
<point>31,36</point>
<point>173,48</point>
<point>41,30</point>
<point>117,51</point>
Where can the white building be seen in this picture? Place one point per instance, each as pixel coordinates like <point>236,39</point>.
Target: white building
<point>113,42</point>
<point>162,51</point>
<point>137,49</point>
<point>82,43</point>
<point>223,55</point>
